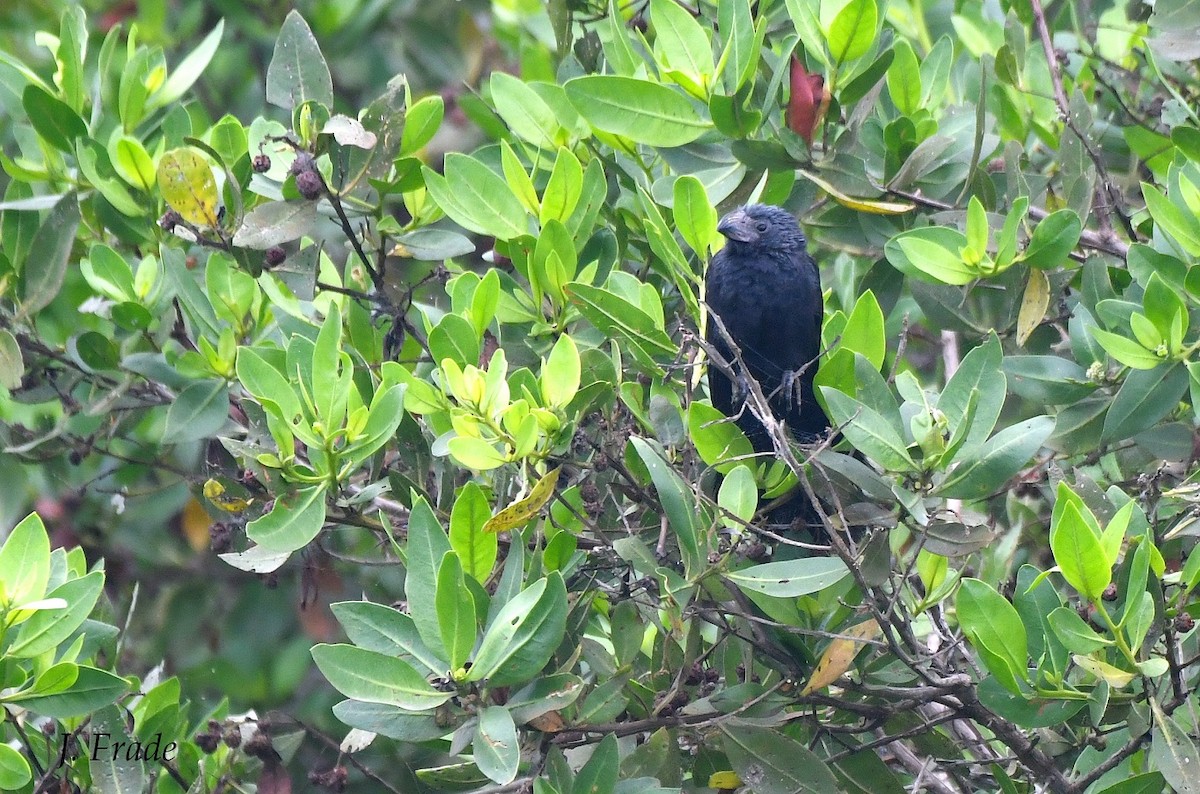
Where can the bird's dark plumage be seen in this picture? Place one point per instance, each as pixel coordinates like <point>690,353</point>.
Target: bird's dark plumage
<point>766,289</point>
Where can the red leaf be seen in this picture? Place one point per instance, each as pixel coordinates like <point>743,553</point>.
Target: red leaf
<point>808,101</point>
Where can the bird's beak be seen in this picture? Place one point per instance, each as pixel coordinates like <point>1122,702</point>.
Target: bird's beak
<point>737,226</point>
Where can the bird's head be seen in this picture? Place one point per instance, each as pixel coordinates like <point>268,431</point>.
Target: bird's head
<point>762,227</point>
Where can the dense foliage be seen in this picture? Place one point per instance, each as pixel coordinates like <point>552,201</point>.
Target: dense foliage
<point>437,358</point>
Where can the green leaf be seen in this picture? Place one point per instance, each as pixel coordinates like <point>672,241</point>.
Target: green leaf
<point>1126,351</point>
<point>1146,396</point>
<point>617,317</point>
<point>525,113</point>
<point>679,41</point>
<point>294,520</point>
<point>739,496</point>
<point>924,251</point>
<point>998,459</point>
<point>1172,219</point>
<point>108,273</point>
<point>14,769</point>
<point>1055,236</point>
<point>904,78</point>
<point>694,215</point>
<point>979,372</point>
<point>47,629</point>
<point>1174,753</point>
<point>1163,304</point>
<point>198,412</point>
<point>184,76</point>
<point>1075,635</point>
<point>427,545</point>
<point>454,338</point>
<point>676,498</point>
<point>561,373</point>
<point>599,774</point>
<point>186,182</point>
<point>642,111</point>
<point>524,634</point>
<point>393,722</point>
<point>266,383</point>
<point>376,678</point>
<point>995,629</point>
<point>717,440</point>
<point>475,453</point>
<point>1047,380</point>
<point>776,763</point>
<point>98,168</point>
<point>276,222</point>
<point>382,628</point>
<point>517,178</point>
<point>90,690</point>
<point>791,578</point>
<point>421,123</point>
<point>298,72</point>
<point>476,198</point>
<point>12,364</point>
<point>24,562</point>
<point>852,31</point>
<point>53,120</point>
<point>386,413</point>
<point>1079,555</point>
<point>432,245</point>
<point>497,748</point>
<point>44,271</point>
<point>735,20</point>
<point>868,431</point>
<point>331,371</point>
<point>70,55</point>
<point>864,330</point>
<point>549,693</point>
<point>455,611</point>
<point>1148,783</point>
<point>564,189</point>
<point>477,549</point>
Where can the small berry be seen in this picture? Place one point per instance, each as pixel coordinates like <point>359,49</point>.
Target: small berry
<point>261,163</point>
<point>1184,622</point>
<point>303,162</point>
<point>274,257</point>
<point>1110,592</point>
<point>309,184</point>
<point>169,220</point>
<point>207,742</point>
<point>232,737</point>
<point>332,779</point>
<point>259,746</point>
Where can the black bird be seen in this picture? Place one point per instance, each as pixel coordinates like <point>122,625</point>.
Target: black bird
<point>766,289</point>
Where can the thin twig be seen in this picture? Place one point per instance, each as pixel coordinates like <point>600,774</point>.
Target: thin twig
<point>1113,204</point>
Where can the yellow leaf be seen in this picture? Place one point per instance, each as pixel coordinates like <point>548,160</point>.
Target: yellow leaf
<point>215,493</point>
<point>1115,676</point>
<point>194,522</point>
<point>522,510</point>
<point>550,722</point>
<point>186,181</point>
<point>1033,305</point>
<point>872,206</point>
<point>840,655</point>
<point>727,780</point>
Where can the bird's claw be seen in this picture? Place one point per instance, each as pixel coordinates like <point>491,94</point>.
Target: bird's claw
<point>790,385</point>
<point>741,389</point>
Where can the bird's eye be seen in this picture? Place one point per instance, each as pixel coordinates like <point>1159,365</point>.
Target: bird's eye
<point>762,226</point>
